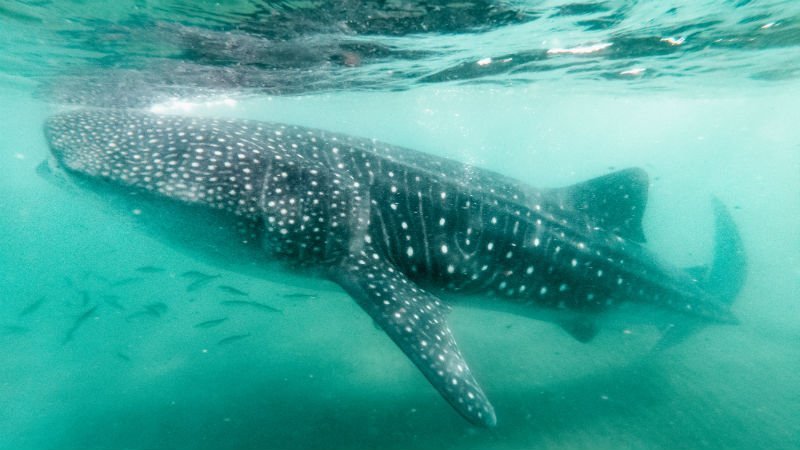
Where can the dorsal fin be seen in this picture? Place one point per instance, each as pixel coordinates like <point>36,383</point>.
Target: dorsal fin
<point>614,202</point>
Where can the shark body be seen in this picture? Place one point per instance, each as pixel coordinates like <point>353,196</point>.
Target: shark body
<point>395,227</point>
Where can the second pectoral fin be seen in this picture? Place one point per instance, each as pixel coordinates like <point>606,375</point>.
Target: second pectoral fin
<point>583,329</point>
<point>415,320</point>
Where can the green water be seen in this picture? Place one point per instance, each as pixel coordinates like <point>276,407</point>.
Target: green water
<point>148,370</point>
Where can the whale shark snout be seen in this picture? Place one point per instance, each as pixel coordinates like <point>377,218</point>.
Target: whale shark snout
<point>76,145</point>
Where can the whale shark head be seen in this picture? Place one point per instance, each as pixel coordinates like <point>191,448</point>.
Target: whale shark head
<point>71,146</point>
<point>115,146</point>
<point>78,155</point>
<point>208,162</point>
<point>172,177</point>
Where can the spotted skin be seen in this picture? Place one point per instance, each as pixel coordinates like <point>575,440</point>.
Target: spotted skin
<point>394,226</point>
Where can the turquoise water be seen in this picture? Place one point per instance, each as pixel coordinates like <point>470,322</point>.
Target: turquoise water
<point>703,95</point>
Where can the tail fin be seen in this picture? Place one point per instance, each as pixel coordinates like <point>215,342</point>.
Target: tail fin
<point>729,267</point>
<point>723,280</point>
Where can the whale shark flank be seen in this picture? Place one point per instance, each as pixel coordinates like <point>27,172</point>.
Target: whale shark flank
<point>396,229</point>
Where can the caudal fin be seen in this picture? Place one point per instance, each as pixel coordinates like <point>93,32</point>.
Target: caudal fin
<point>722,281</point>
<point>729,266</point>
<point>724,278</point>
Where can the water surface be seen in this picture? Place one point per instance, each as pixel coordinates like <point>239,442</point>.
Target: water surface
<point>104,347</point>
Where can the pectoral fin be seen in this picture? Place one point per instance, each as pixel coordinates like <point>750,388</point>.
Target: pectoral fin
<point>583,329</point>
<point>415,320</point>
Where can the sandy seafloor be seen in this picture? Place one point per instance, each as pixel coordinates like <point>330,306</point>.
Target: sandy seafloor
<point>320,375</point>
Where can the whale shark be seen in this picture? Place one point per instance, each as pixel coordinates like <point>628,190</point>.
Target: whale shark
<point>404,233</point>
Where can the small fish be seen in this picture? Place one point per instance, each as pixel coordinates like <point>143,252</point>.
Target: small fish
<point>234,338</point>
<point>210,323</point>
<point>33,307</point>
<point>232,290</point>
<point>150,310</point>
<point>123,357</point>
<point>262,306</point>
<point>200,282</point>
<point>85,299</point>
<point>126,281</point>
<point>113,301</point>
<point>150,269</point>
<point>300,295</point>
<point>195,274</point>
<point>78,322</point>
<point>157,308</point>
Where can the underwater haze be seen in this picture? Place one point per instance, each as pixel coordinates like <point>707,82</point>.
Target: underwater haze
<point>112,338</point>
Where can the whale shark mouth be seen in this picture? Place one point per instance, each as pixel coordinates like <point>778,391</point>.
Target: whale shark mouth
<point>51,171</point>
